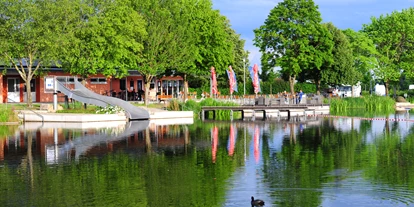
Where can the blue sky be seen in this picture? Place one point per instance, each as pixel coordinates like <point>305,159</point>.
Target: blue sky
<point>247,15</point>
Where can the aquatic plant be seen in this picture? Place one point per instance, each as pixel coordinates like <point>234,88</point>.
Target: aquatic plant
<point>370,103</point>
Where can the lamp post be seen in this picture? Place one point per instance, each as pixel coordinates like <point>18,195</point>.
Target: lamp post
<point>244,77</point>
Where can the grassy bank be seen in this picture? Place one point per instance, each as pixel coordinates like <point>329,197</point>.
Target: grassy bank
<point>8,113</point>
<point>369,103</point>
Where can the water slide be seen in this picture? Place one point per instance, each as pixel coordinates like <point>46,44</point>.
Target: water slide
<point>81,145</point>
<point>82,94</point>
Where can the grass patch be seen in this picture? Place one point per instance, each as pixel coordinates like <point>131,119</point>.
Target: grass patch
<point>8,113</point>
<point>369,103</point>
<point>78,108</point>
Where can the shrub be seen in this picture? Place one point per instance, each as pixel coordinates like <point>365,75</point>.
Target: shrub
<point>109,110</point>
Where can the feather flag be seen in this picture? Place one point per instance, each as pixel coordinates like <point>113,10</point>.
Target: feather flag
<point>213,81</point>
<point>254,74</point>
<point>232,80</point>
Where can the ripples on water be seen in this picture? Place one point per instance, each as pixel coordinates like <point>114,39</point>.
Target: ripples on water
<point>312,162</point>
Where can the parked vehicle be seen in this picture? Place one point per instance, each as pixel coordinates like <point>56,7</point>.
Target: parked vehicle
<point>346,91</point>
<point>379,90</point>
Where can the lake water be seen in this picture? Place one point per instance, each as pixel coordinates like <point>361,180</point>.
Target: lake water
<point>306,161</point>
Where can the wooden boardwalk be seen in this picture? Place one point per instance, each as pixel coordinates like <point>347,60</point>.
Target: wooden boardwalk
<point>258,108</point>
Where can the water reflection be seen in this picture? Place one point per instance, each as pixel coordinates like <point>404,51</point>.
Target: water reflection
<point>304,161</point>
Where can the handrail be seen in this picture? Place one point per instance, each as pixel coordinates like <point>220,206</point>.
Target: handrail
<point>8,99</point>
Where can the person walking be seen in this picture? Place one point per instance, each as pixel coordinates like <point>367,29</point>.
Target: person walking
<point>300,97</point>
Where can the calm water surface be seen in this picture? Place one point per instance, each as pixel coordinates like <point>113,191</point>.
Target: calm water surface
<point>322,161</point>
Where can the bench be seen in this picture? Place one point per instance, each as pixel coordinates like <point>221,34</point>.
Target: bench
<point>164,97</point>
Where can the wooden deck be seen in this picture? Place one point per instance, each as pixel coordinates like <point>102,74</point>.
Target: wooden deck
<point>256,108</point>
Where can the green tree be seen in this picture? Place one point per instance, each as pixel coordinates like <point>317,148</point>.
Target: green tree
<point>32,34</point>
<point>168,42</point>
<point>364,51</point>
<point>107,39</point>
<point>215,43</point>
<point>341,70</point>
<point>325,43</point>
<point>287,36</point>
<point>393,35</point>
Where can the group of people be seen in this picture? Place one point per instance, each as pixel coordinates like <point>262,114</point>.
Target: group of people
<point>297,97</point>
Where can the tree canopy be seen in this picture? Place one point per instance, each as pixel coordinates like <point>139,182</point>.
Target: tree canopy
<point>393,36</point>
<point>32,34</point>
<point>287,36</point>
<point>107,39</point>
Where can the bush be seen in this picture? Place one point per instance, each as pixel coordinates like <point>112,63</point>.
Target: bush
<point>109,110</point>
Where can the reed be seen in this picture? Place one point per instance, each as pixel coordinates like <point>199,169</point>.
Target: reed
<point>369,103</point>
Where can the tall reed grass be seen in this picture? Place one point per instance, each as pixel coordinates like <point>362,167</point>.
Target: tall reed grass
<point>369,103</point>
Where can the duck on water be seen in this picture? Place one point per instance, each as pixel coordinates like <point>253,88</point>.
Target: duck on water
<point>257,202</point>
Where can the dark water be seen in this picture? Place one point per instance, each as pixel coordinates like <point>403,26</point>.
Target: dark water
<point>323,161</point>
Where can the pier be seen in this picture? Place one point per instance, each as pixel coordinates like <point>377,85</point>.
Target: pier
<point>299,109</point>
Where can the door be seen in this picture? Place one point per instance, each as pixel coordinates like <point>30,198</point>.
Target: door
<point>13,90</point>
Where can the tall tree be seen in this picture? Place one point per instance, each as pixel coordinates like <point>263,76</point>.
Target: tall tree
<point>364,52</point>
<point>325,43</point>
<point>214,42</point>
<point>286,38</point>
<point>107,39</point>
<point>166,45</point>
<point>32,34</point>
<point>393,35</point>
<point>341,70</point>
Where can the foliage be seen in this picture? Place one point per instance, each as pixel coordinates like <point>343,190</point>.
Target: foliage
<point>7,130</point>
<point>174,105</point>
<point>170,42</point>
<point>78,107</point>
<point>369,103</point>
<point>341,70</point>
<point>8,113</point>
<point>106,39</point>
<point>293,38</point>
<point>32,34</point>
<point>109,110</point>
<point>191,105</point>
<point>364,51</point>
<point>393,35</point>
<point>215,44</point>
<point>279,85</point>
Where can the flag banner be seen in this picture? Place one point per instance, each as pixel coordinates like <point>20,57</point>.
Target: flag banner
<point>214,143</point>
<point>256,144</point>
<point>232,140</point>
<point>254,74</point>
<point>213,81</point>
<point>232,80</point>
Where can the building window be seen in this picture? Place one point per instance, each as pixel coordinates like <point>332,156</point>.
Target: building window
<point>67,79</point>
<point>98,80</point>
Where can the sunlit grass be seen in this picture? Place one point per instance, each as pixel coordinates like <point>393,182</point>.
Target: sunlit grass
<point>369,103</point>
<point>8,113</point>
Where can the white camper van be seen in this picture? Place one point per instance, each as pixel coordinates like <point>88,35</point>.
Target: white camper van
<point>379,90</point>
<point>346,91</point>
